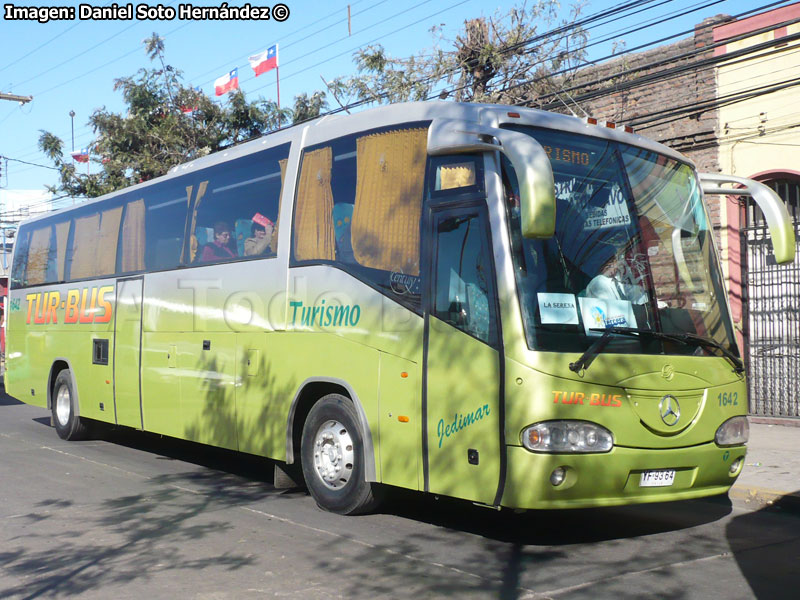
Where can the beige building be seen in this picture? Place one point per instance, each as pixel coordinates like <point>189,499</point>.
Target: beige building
<point>759,138</point>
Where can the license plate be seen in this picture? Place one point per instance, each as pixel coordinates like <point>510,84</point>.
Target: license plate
<point>660,478</point>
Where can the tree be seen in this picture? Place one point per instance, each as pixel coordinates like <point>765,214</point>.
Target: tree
<point>308,107</point>
<point>505,59</point>
<point>166,123</point>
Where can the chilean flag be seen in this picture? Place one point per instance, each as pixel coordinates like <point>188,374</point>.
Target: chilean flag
<point>265,61</point>
<point>227,83</point>
<point>82,156</point>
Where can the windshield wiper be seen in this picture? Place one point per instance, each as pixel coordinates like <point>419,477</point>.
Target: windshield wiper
<point>738,365</point>
<point>587,357</point>
<point>684,338</point>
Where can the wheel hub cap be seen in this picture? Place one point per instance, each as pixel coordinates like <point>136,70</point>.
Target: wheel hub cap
<point>333,454</point>
<point>63,405</point>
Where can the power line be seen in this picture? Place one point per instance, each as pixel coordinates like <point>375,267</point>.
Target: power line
<point>289,45</point>
<point>604,13</point>
<point>330,58</point>
<point>79,54</point>
<point>666,61</point>
<point>28,163</point>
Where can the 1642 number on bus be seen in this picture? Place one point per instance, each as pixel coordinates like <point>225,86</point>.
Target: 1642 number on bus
<point>728,399</point>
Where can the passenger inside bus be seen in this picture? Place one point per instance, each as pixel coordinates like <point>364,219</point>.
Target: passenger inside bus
<point>220,248</point>
<point>342,218</point>
<point>259,240</point>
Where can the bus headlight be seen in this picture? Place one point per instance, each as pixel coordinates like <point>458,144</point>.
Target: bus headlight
<point>567,437</point>
<point>733,432</point>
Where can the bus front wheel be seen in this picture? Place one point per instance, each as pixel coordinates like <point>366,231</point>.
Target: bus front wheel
<point>68,424</point>
<point>332,451</point>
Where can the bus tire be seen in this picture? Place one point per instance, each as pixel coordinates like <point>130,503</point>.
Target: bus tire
<point>68,424</point>
<point>332,454</point>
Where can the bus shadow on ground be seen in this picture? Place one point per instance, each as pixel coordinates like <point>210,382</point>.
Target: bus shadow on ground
<point>249,469</point>
<point>6,400</point>
<point>770,565</point>
<point>557,527</point>
<point>513,554</point>
<point>543,527</point>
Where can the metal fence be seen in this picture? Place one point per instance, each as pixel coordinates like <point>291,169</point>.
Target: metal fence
<point>772,313</point>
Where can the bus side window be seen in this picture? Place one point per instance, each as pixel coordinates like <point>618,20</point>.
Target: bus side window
<point>41,256</point>
<point>359,206</point>
<point>94,237</point>
<point>164,225</point>
<point>132,243</point>
<point>18,276</point>
<point>242,196</point>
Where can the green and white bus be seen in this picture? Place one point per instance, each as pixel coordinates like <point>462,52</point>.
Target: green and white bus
<point>498,304</point>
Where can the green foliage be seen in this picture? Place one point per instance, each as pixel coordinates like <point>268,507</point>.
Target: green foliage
<point>502,59</point>
<point>308,107</point>
<point>155,134</point>
<point>491,60</point>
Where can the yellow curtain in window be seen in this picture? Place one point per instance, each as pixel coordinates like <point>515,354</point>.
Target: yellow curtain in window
<point>388,207</point>
<point>85,247</point>
<point>38,255</point>
<point>62,234</point>
<point>201,191</point>
<point>456,176</point>
<point>273,244</point>
<point>313,224</point>
<point>94,245</point>
<point>133,237</point>
<point>109,236</point>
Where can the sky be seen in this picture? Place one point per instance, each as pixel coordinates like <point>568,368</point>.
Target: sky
<point>71,65</point>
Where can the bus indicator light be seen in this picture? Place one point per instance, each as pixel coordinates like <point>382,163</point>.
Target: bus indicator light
<point>402,418</point>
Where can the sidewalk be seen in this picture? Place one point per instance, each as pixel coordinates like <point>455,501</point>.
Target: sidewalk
<point>771,473</point>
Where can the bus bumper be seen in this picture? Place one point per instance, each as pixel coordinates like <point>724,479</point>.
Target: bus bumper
<point>613,478</point>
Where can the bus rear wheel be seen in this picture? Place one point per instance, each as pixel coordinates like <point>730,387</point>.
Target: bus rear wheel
<point>332,451</point>
<point>68,424</point>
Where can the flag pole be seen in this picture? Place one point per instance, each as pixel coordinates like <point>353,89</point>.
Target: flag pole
<point>278,81</point>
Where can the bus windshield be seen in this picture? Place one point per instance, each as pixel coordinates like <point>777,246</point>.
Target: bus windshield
<point>632,249</point>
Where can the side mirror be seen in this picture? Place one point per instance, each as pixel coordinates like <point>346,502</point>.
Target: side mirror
<point>778,219</point>
<point>530,162</point>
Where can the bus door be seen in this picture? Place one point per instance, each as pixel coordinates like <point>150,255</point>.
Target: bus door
<point>127,352</point>
<point>462,358</point>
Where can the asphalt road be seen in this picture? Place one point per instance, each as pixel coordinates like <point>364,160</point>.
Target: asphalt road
<point>132,515</point>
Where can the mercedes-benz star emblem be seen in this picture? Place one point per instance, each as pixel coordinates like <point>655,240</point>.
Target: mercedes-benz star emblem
<point>670,410</point>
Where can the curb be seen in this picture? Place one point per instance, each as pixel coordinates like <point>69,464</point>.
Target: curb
<point>756,498</point>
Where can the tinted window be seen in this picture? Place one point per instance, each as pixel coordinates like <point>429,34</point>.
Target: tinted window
<point>41,252</point>
<point>236,208</point>
<point>20,257</point>
<point>166,208</point>
<point>92,248</point>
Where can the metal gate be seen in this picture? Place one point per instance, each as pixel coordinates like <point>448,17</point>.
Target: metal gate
<point>771,298</point>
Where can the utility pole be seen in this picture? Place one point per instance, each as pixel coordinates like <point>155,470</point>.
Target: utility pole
<point>14,97</point>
